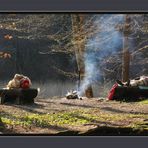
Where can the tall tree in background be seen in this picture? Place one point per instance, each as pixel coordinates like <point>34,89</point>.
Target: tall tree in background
<point>79,45</point>
<point>126,54</point>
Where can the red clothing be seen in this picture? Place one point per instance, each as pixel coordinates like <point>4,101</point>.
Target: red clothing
<point>25,84</point>
<point>112,92</point>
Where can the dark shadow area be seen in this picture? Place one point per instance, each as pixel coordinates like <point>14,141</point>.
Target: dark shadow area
<point>30,108</point>
<point>127,100</point>
<point>34,105</point>
<point>121,111</point>
<point>78,105</point>
<point>45,101</point>
<point>115,131</point>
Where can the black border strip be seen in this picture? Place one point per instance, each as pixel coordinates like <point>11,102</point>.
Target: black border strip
<point>73,142</point>
<point>73,5</point>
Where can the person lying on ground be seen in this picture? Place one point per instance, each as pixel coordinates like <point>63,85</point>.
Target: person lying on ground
<point>139,81</point>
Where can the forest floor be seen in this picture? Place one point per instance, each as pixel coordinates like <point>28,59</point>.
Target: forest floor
<point>59,116</point>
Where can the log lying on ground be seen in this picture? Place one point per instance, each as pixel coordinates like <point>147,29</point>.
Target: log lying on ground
<point>130,93</point>
<point>18,96</point>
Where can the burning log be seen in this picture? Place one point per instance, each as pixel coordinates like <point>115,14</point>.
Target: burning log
<point>73,95</point>
<point>89,92</point>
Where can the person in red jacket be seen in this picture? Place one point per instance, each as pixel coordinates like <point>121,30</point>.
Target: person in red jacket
<point>19,81</point>
<point>112,91</point>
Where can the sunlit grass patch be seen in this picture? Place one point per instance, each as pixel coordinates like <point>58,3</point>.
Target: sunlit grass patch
<point>72,118</point>
<point>144,101</point>
<point>12,122</point>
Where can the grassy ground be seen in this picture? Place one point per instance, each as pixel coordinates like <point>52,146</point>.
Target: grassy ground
<point>55,116</point>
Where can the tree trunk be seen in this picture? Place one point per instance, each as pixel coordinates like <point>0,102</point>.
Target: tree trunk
<point>126,62</point>
<point>79,45</point>
<point>126,54</point>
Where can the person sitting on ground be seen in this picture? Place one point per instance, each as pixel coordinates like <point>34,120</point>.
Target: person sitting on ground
<point>139,81</point>
<point>19,81</point>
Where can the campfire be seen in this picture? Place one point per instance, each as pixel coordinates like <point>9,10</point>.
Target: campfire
<point>73,94</point>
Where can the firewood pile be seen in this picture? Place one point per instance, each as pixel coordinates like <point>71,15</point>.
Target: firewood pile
<point>73,94</point>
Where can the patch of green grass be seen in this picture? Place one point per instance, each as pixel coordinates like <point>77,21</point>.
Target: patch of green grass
<point>144,101</point>
<point>8,121</point>
<point>140,125</point>
<point>45,120</point>
<point>72,118</point>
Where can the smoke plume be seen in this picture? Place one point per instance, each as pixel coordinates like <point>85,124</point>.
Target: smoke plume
<point>106,41</point>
